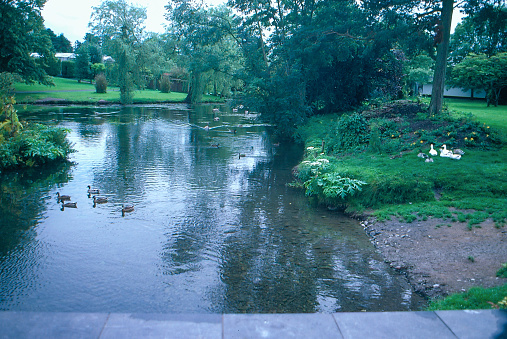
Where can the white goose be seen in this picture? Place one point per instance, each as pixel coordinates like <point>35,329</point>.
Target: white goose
<point>433,151</point>
<point>444,152</point>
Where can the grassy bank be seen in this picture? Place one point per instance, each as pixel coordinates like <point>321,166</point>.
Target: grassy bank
<point>379,147</point>
<point>70,91</point>
<point>474,299</point>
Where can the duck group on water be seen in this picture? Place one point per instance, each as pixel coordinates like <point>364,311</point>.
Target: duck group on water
<point>66,203</point>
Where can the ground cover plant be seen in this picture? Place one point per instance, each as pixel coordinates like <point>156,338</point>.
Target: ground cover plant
<point>473,299</point>
<point>382,154</point>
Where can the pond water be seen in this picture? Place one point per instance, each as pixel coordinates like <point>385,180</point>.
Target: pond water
<point>214,230</point>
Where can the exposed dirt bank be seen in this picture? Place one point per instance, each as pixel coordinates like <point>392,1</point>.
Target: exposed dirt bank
<point>441,257</point>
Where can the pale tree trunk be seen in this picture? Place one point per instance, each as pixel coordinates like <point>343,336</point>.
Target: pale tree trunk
<point>437,92</point>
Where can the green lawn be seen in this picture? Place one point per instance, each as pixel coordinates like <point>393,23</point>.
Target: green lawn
<point>494,116</point>
<point>60,84</point>
<point>84,93</point>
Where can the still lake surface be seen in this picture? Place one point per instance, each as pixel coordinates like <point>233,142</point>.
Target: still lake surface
<point>214,230</point>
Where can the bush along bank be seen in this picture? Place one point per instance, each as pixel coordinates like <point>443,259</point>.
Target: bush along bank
<point>29,145</point>
<point>378,160</point>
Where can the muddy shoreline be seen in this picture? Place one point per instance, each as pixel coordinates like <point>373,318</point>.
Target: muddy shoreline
<point>440,257</point>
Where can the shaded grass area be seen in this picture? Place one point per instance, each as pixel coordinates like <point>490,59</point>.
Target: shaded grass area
<point>473,299</point>
<point>403,185</point>
<point>71,91</point>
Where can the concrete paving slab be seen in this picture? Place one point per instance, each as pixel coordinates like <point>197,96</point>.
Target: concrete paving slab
<point>199,326</point>
<point>280,326</point>
<point>389,325</point>
<point>51,325</point>
<point>480,324</point>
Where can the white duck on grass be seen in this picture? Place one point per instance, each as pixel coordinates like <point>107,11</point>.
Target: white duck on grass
<point>433,151</point>
<point>444,152</point>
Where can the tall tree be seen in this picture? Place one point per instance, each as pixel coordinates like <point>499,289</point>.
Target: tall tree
<point>83,64</point>
<point>204,42</point>
<point>307,57</point>
<point>60,43</point>
<point>120,27</point>
<point>442,41</point>
<point>484,73</point>
<point>154,59</point>
<point>482,31</point>
<point>22,33</point>
<point>437,13</point>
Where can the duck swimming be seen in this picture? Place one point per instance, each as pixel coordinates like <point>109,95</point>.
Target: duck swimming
<point>69,205</point>
<point>126,209</point>
<point>99,200</point>
<point>93,190</point>
<point>62,197</point>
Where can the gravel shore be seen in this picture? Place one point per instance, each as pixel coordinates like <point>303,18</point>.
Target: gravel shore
<point>441,257</point>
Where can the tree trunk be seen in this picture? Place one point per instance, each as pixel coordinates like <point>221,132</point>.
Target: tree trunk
<point>437,91</point>
<point>196,88</point>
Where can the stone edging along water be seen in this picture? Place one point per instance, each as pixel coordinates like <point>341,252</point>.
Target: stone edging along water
<point>482,324</point>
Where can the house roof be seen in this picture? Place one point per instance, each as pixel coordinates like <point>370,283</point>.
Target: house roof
<point>65,55</point>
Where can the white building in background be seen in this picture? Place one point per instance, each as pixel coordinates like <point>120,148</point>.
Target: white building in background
<point>454,92</point>
<point>65,56</point>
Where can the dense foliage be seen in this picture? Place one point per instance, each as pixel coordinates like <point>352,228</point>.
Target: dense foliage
<point>120,26</point>
<point>35,145</point>
<point>60,43</point>
<point>27,145</point>
<point>488,73</point>
<point>22,33</point>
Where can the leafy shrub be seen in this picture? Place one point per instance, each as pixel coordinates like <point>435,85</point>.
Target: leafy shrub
<point>101,83</point>
<point>331,186</point>
<point>375,144</point>
<point>165,84</point>
<point>34,146</point>
<point>321,180</point>
<point>352,132</point>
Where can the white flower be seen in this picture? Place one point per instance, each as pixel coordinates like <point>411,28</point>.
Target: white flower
<point>310,148</point>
